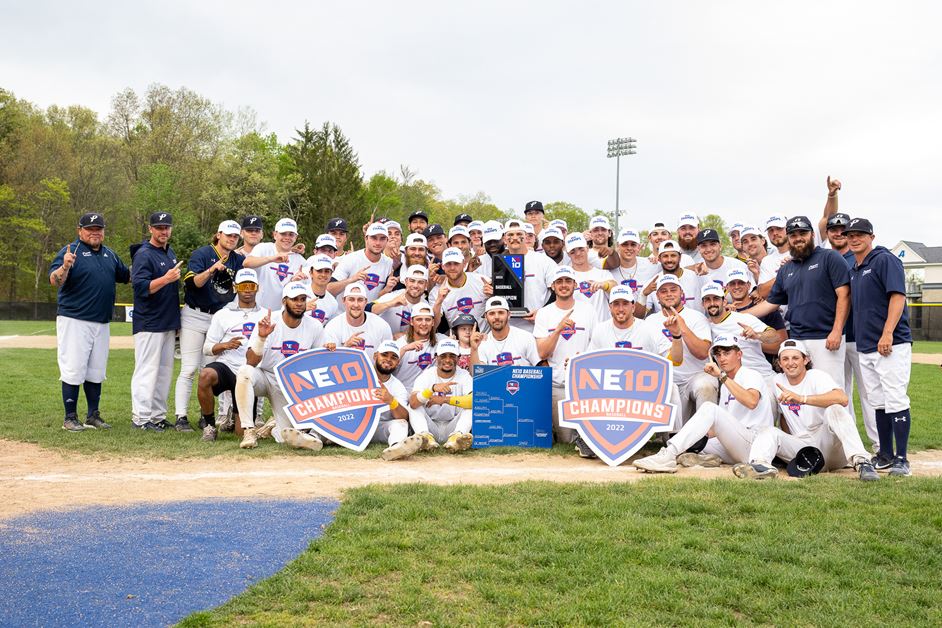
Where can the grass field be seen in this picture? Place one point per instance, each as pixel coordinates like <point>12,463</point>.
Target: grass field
<point>48,328</point>
<point>822,551</point>
<point>31,411</point>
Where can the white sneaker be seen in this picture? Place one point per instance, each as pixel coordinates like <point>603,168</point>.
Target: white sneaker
<point>459,441</point>
<point>661,462</point>
<point>265,430</point>
<point>404,448</point>
<point>249,440</point>
<point>428,441</point>
<point>300,440</point>
<point>690,459</point>
<point>209,434</point>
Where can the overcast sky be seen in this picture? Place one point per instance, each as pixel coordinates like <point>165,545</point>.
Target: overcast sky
<point>739,108</point>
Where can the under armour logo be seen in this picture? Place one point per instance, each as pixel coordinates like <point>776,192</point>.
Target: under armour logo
<point>901,417</point>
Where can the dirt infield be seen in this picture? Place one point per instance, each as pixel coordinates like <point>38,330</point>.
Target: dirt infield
<point>35,478</point>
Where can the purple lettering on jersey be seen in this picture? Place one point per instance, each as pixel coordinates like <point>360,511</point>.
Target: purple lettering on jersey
<point>504,358</point>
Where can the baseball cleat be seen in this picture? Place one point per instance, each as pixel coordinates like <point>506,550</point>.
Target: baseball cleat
<point>265,430</point>
<point>209,434</point>
<point>163,424</point>
<point>71,424</point>
<point>661,462</point>
<point>249,441</point>
<point>459,441</point>
<point>94,421</point>
<point>150,426</point>
<point>404,448</point>
<point>691,459</point>
<point>300,440</point>
<point>882,462</point>
<point>900,468</point>
<point>754,471</point>
<point>182,424</point>
<point>428,441</point>
<point>226,423</point>
<point>866,472</point>
<point>583,448</point>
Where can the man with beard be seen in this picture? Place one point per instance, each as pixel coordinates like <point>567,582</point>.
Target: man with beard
<point>670,259</point>
<point>417,344</point>
<point>754,250</point>
<point>775,230</point>
<point>715,266</point>
<point>740,288</point>
<point>252,232</point>
<point>461,292</point>
<point>418,222</point>
<point>282,263</point>
<point>600,240</point>
<point>626,267</point>
<point>503,345</point>
<point>357,328</point>
<point>814,284</point>
<point>367,266</point>
<point>274,339</point>
<point>687,229</point>
<point>441,402</point>
<point>394,308</point>
<point>551,242</point>
<point>393,428</point>
<point>493,239</point>
<point>322,305</point>
<point>538,274</point>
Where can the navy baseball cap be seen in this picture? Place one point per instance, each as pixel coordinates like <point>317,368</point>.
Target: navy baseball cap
<point>337,224</point>
<point>253,222</point>
<point>708,235</point>
<point>418,214</point>
<point>464,319</point>
<point>434,230</point>
<point>460,218</point>
<point>860,225</point>
<point>798,223</point>
<point>92,220</point>
<point>534,206</point>
<point>838,220</point>
<point>161,219</point>
<point>808,461</point>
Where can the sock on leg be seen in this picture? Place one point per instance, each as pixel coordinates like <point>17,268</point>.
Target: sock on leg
<point>70,393</point>
<point>901,422</point>
<point>92,396</point>
<point>209,419</point>
<point>884,432</point>
<point>698,446</point>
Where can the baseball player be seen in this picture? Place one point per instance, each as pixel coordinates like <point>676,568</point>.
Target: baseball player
<point>322,306</point>
<point>459,238</point>
<point>744,409</point>
<point>367,266</point>
<point>830,210</point>
<point>441,401</point>
<point>884,342</point>
<point>85,271</point>
<point>715,266</point>
<point>393,428</point>
<point>746,330</point>
<point>563,329</point>
<point>778,238</point>
<point>814,409</point>
<point>493,239</point>
<point>273,339</point>
<point>287,262</point>
<point>416,347</point>
<point>356,328</point>
<point>226,342</point>
<point>740,287</point>
<point>338,229</point>
<point>735,239</point>
<point>627,268</point>
<point>476,233</point>
<point>624,331</point>
<point>753,250</point>
<point>688,228</point>
<point>155,276</point>
<point>436,240</point>
<point>671,260</point>
<point>503,345</point>
<point>418,222</point>
<point>252,234</point>
<point>535,215</point>
<point>601,240</point>
<point>325,244</point>
<point>461,292</point>
<point>552,243</point>
<point>395,307</point>
<point>592,282</point>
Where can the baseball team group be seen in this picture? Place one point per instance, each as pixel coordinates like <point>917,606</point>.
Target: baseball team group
<point>766,345</point>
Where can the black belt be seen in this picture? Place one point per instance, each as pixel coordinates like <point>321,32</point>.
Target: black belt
<point>204,310</point>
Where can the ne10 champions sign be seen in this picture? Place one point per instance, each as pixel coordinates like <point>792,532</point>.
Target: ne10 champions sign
<point>616,399</point>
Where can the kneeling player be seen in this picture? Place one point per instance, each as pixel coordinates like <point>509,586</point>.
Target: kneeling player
<point>441,400</point>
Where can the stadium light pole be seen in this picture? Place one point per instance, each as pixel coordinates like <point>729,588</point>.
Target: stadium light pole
<point>618,148</point>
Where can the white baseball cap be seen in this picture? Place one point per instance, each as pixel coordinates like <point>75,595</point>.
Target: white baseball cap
<point>416,239</point>
<point>667,279</point>
<point>599,221</point>
<point>246,274</point>
<point>751,230</point>
<point>496,303</point>
<point>229,227</point>
<point>621,292</point>
<point>795,345</point>
<point>422,308</point>
<point>513,225</point>
<point>723,341</point>
<point>551,232</point>
<point>688,220</point>
<point>475,225</point>
<point>629,235</point>
<point>564,272</point>
<point>737,226</point>
<point>775,220</point>
<point>669,246</point>
<point>286,225</point>
<point>560,224</point>
<point>377,229</point>
<point>294,289</point>
<point>529,228</point>
<point>320,262</point>
<point>325,239</point>
<point>392,224</point>
<point>447,346</point>
<point>388,346</point>
<point>575,241</point>
<point>492,233</point>
<point>737,274</point>
<point>452,254</point>
<point>355,289</point>
<point>712,289</point>
<point>459,230</point>
<point>416,272</point>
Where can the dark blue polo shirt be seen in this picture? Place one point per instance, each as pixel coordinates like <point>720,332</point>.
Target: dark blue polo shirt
<point>89,291</point>
<point>850,260</point>
<point>210,298</point>
<point>872,283</point>
<point>807,288</point>
<point>160,311</point>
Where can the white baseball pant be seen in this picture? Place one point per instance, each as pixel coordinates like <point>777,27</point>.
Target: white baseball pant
<point>886,378</point>
<point>193,327</point>
<point>153,368</point>
<point>81,350</point>
<point>695,391</point>
<point>822,358</point>
<point>853,371</point>
<point>439,429</point>
<point>838,441</point>
<point>391,431</point>
<point>732,439</point>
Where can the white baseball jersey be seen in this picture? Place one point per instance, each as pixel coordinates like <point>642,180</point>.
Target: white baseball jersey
<point>752,356</point>
<point>273,276</point>
<point>517,349</point>
<point>538,275</point>
<point>376,275</point>
<point>770,264</point>
<point>464,385</point>
<point>373,331</point>
<point>398,317</point>
<point>284,342</point>
<point>698,324</point>
<point>399,393</point>
<point>754,419</point>
<point>598,298</point>
<point>467,298</point>
<point>637,277</point>
<point>228,323</point>
<point>413,362</point>
<point>325,309</point>
<point>689,283</point>
<point>802,418</point>
<point>594,259</point>
<point>642,335</point>
<point>572,341</point>
<point>718,275</point>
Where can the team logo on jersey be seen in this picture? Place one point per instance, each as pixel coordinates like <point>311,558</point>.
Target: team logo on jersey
<point>247,329</point>
<point>585,287</point>
<point>371,281</point>
<point>513,387</point>
<point>623,344</point>
<point>568,331</point>
<point>318,315</point>
<point>667,333</point>
<point>359,343</point>
<point>504,358</point>
<point>288,348</point>
<point>795,407</point>
<point>332,392</point>
<point>281,271</point>
<point>405,317</point>
<point>464,305</point>
<point>631,283</point>
<point>424,360</point>
<point>616,400</point>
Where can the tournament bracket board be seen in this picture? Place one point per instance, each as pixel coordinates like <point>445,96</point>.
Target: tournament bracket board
<point>507,278</point>
<point>512,406</point>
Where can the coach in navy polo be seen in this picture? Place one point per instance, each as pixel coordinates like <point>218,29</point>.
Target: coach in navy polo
<point>155,276</point>
<point>884,341</point>
<point>86,272</point>
<point>814,284</point>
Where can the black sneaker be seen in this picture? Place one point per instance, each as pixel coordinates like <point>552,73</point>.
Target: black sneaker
<point>900,468</point>
<point>163,424</point>
<point>150,426</point>
<point>71,423</point>
<point>583,448</point>
<point>866,472</point>
<point>95,421</point>
<point>882,462</point>
<point>182,424</point>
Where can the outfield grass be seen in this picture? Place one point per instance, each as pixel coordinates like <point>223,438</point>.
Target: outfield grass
<point>821,551</point>
<point>927,346</point>
<point>48,328</point>
<point>31,411</point>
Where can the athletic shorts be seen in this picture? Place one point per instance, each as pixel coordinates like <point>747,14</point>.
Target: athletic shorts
<point>227,379</point>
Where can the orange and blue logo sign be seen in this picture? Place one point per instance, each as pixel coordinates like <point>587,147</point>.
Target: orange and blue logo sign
<point>334,393</point>
<point>616,399</point>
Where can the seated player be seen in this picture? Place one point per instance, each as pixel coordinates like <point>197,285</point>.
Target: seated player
<point>503,345</point>
<point>393,428</point>
<point>441,401</point>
